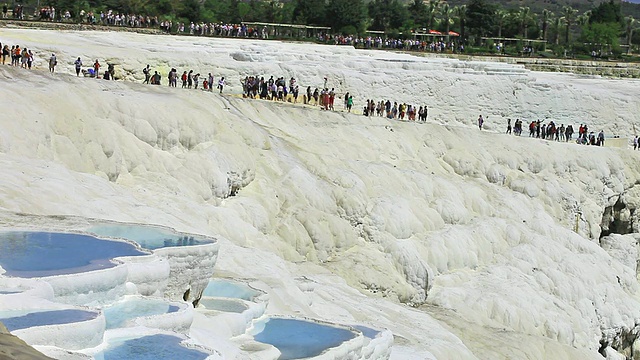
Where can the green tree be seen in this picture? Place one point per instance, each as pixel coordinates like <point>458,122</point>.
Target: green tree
<point>448,14</point>
<point>606,12</point>
<point>243,10</point>
<point>310,12</point>
<point>461,15</point>
<point>546,19</point>
<point>556,27</point>
<point>569,15</point>
<point>190,10</point>
<point>583,20</point>
<point>346,16</point>
<point>629,23</point>
<point>480,18</point>
<point>134,6</point>
<point>165,7</point>
<point>501,17</point>
<point>602,33</point>
<point>418,13</point>
<point>387,15</point>
<point>432,12</point>
<point>525,17</point>
<point>285,14</point>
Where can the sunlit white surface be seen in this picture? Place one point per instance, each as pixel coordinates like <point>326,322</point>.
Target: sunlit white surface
<point>338,216</point>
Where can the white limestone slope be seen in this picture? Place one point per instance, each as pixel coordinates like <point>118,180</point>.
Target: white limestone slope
<point>333,206</point>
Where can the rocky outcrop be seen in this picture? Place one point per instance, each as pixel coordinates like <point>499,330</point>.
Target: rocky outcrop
<point>12,348</point>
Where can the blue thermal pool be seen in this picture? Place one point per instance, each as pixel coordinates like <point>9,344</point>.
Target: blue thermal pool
<point>37,254</point>
<point>22,320</point>
<point>119,314</point>
<point>367,332</point>
<point>147,236</point>
<point>297,339</point>
<point>230,289</point>
<point>225,305</point>
<point>151,347</point>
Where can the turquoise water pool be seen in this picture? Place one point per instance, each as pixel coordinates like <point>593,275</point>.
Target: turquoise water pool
<point>230,289</point>
<point>21,320</point>
<point>119,314</point>
<point>367,331</point>
<point>38,254</point>
<point>151,347</point>
<point>299,339</point>
<point>148,237</point>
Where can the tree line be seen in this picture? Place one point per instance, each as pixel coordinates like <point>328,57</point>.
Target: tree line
<point>603,24</point>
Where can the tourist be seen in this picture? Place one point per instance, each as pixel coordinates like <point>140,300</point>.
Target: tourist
<point>173,78</point>
<point>111,68</point>
<point>155,79</point>
<point>147,74</point>
<point>78,64</point>
<point>96,68</point>
<point>635,143</point>
<point>53,61</point>
<point>5,53</point>
<point>600,140</point>
<point>221,84</point>
<point>332,97</point>
<point>25,58</point>
<point>295,95</point>
<point>480,122</point>
<point>568,132</point>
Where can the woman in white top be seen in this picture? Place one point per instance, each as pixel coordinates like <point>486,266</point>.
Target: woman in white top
<point>221,84</point>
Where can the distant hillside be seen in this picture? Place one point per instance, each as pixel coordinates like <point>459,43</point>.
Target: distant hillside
<point>628,8</point>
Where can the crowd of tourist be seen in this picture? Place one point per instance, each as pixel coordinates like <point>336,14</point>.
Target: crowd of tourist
<point>112,18</point>
<point>550,131</point>
<point>378,42</point>
<point>279,89</point>
<point>21,57</point>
